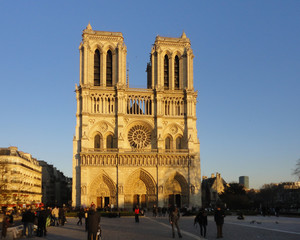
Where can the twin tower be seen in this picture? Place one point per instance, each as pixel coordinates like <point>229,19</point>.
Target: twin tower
<point>135,146</point>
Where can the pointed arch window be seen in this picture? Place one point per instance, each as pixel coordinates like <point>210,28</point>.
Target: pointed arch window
<point>168,143</point>
<point>176,73</point>
<point>97,68</point>
<point>97,141</point>
<point>109,142</point>
<point>179,143</point>
<point>109,69</point>
<point>166,72</point>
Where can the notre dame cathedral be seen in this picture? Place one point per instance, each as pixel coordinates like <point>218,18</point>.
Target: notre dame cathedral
<point>135,146</point>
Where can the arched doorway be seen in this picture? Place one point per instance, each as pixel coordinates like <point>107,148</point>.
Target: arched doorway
<point>176,191</point>
<point>103,191</point>
<point>140,189</point>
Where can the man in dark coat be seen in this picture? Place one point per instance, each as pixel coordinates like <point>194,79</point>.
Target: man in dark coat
<point>31,218</point>
<point>62,216</point>
<point>25,221</point>
<point>201,219</point>
<point>42,216</point>
<point>80,215</point>
<point>93,223</point>
<point>219,219</point>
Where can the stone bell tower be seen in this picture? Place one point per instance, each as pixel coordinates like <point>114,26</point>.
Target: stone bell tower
<point>135,146</point>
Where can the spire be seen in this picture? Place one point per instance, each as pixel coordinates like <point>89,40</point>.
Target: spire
<point>89,27</point>
<point>183,35</point>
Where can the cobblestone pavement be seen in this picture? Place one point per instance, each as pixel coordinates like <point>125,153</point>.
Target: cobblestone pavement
<point>124,228</point>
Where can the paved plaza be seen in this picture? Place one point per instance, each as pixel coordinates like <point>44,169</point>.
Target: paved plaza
<point>150,228</point>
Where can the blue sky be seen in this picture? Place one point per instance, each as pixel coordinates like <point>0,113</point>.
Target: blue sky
<point>246,71</point>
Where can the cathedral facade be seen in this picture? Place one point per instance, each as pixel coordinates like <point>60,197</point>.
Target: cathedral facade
<point>135,146</point>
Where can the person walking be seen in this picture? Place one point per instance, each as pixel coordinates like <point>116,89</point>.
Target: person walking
<point>93,223</point>
<point>219,219</point>
<point>174,218</point>
<point>201,219</point>
<point>80,215</point>
<point>136,213</point>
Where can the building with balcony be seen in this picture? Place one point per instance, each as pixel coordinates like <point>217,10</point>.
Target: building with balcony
<point>20,178</point>
<point>56,187</point>
<point>135,146</point>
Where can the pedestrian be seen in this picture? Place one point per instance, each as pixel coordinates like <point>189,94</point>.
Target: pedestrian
<point>164,210</point>
<point>93,223</point>
<point>154,211</point>
<point>5,224</point>
<point>159,211</point>
<point>136,213</point>
<point>25,221</point>
<point>80,215</point>
<point>31,218</point>
<point>219,219</point>
<point>42,216</point>
<point>49,217</point>
<point>11,217</point>
<point>61,215</point>
<point>86,214</point>
<point>55,215</point>
<point>201,219</point>
<point>174,218</point>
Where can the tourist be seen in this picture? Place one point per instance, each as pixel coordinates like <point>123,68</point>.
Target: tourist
<point>55,215</point>
<point>80,215</point>
<point>136,213</point>
<point>154,210</point>
<point>86,215</point>
<point>62,216</point>
<point>93,223</point>
<point>164,210</point>
<point>25,221</point>
<point>201,219</point>
<point>42,216</point>
<point>174,218</point>
<point>219,219</point>
<point>31,218</point>
<point>5,224</point>
<point>11,217</point>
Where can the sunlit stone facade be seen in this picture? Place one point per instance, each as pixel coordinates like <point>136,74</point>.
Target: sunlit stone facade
<point>135,146</point>
<point>20,177</point>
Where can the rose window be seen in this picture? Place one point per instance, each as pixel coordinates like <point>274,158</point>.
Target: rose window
<point>139,136</point>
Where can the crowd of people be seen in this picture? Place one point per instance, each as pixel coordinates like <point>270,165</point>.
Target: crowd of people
<point>200,219</point>
<point>36,221</point>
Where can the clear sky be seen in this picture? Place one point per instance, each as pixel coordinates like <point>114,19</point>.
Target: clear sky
<point>246,71</point>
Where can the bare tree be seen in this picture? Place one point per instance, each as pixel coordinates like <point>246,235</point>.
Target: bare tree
<point>297,169</point>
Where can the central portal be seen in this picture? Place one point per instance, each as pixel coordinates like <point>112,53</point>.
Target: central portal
<point>140,190</point>
<point>140,200</point>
